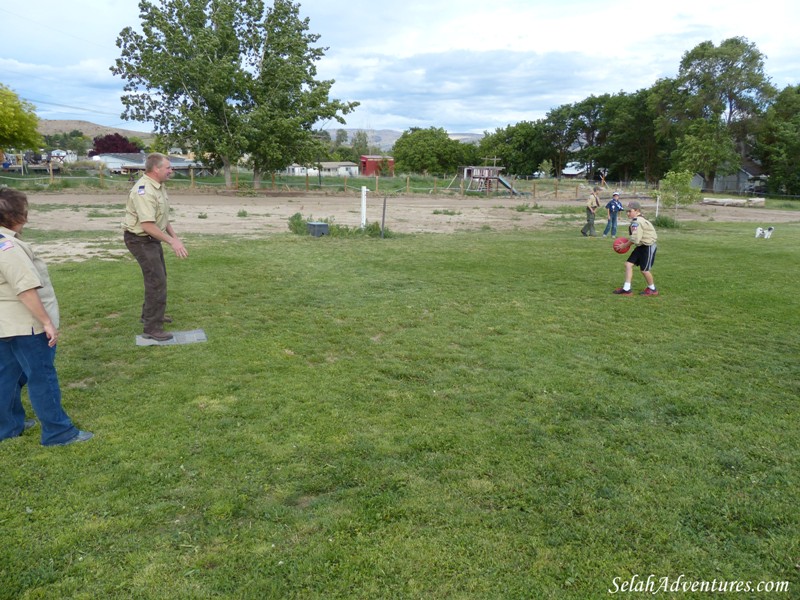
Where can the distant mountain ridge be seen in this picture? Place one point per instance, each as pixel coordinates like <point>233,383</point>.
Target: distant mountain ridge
<point>381,138</point>
<point>89,129</point>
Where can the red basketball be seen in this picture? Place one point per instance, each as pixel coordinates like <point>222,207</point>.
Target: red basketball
<point>621,245</point>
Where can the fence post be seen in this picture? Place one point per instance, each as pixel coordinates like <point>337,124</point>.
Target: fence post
<point>364,206</point>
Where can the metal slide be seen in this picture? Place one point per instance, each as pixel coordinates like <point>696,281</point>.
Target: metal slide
<point>508,186</point>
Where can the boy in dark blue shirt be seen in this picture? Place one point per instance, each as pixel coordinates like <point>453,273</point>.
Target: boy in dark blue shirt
<point>614,207</point>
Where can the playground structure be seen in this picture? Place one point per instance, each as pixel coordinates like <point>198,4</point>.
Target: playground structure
<point>484,179</point>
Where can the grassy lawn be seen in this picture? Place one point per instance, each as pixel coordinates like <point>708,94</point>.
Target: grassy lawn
<point>435,416</point>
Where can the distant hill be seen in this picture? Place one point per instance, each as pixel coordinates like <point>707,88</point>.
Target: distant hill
<point>382,138</point>
<point>92,130</point>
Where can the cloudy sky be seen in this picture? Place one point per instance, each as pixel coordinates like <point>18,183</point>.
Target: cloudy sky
<point>468,66</point>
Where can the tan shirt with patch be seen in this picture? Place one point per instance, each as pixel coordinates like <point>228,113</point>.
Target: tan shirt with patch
<point>147,202</point>
<point>21,270</point>
<point>642,232</point>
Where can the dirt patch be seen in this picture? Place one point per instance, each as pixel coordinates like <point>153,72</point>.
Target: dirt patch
<point>258,216</point>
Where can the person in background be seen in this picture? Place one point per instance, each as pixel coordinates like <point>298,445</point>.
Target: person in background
<point>146,227</point>
<point>592,203</point>
<point>643,236</point>
<point>29,320</point>
<point>614,207</point>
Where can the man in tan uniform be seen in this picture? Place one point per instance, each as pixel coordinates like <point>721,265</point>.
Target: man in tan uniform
<point>146,227</point>
<point>592,203</point>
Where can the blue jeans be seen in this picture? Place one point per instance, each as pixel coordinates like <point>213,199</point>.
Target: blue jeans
<point>28,359</point>
<point>611,225</point>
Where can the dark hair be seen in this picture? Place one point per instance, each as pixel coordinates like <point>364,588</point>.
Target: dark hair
<point>13,207</point>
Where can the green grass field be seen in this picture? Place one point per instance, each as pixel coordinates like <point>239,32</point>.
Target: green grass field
<point>435,416</point>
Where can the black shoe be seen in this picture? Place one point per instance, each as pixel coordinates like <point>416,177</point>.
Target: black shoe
<point>159,335</point>
<point>29,423</point>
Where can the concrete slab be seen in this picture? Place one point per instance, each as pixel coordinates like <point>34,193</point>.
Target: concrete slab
<point>178,337</point>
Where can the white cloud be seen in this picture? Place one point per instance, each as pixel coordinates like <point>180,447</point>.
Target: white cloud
<point>468,67</point>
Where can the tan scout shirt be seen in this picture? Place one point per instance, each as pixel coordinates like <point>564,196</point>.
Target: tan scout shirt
<point>642,232</point>
<point>592,202</point>
<point>147,202</point>
<point>21,270</point>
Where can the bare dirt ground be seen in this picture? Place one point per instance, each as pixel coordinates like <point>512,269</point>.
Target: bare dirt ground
<point>263,215</point>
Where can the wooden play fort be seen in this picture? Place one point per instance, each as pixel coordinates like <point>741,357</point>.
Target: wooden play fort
<point>485,179</point>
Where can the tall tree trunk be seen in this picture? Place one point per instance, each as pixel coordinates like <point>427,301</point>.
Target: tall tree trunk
<point>226,169</point>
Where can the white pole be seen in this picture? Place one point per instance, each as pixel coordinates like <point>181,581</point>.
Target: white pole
<point>363,206</point>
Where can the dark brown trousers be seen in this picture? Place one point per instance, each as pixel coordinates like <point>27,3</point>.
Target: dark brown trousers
<point>150,255</point>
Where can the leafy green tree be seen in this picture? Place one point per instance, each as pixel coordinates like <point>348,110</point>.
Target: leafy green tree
<point>428,151</point>
<point>630,147</point>
<point>676,190</point>
<point>139,143</point>
<point>520,147</point>
<point>224,77</point>
<point>18,122</point>
<point>561,134</point>
<point>360,144</point>
<point>341,138</point>
<point>778,142</point>
<point>727,81</point>
<point>184,72</point>
<point>285,99</point>
<point>707,148</point>
<point>546,167</point>
<point>74,141</point>
<point>591,126</point>
<point>722,86</point>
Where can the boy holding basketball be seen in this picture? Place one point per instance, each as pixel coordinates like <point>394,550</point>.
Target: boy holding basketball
<point>642,235</point>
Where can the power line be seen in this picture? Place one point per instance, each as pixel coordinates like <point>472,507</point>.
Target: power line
<point>81,108</point>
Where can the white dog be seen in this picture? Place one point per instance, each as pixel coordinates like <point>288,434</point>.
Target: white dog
<point>765,233</point>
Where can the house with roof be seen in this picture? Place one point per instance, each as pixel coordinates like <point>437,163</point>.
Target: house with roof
<point>574,170</point>
<point>126,163</point>
<point>328,169</point>
<point>749,177</point>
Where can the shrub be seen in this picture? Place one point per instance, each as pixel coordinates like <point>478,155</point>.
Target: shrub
<point>665,222</point>
<point>299,225</point>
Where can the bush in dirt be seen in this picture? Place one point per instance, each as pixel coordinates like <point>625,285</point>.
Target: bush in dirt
<point>299,225</point>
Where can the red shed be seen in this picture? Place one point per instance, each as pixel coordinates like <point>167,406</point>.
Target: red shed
<point>373,164</point>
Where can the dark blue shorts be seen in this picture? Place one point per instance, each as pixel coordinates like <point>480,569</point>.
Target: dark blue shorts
<point>643,257</point>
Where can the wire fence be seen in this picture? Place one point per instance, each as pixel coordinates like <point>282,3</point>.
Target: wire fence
<point>242,184</point>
